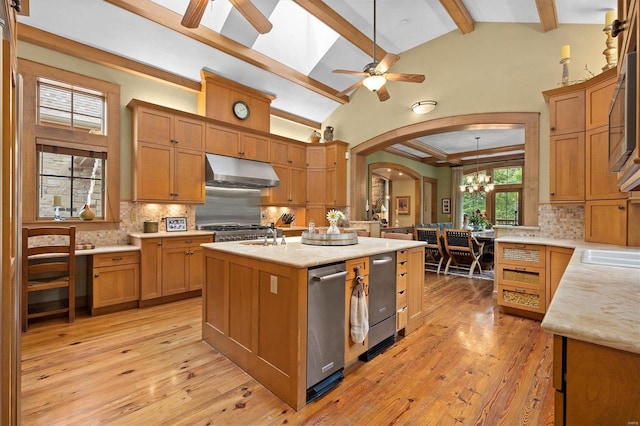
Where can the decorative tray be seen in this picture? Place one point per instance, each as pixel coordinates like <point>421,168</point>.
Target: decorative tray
<point>343,239</point>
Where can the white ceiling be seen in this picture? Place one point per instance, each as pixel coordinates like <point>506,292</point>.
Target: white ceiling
<point>297,40</point>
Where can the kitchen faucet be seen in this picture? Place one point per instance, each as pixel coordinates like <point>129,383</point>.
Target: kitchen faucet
<point>272,231</point>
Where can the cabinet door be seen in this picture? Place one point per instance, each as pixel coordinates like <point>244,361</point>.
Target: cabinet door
<point>557,260</point>
<point>222,141</point>
<point>175,264</point>
<point>188,177</point>
<point>318,214</point>
<point>330,187</point>
<point>567,113</point>
<point>297,155</point>
<point>150,268</point>
<point>255,147</point>
<point>196,268</point>
<point>154,126</point>
<point>188,133</point>
<point>115,284</point>
<point>280,194</point>
<point>152,174</point>
<point>316,186</point>
<point>297,186</point>
<point>600,184</point>
<point>415,289</point>
<point>567,168</point>
<point>353,350</point>
<point>598,101</point>
<point>606,222</point>
<point>279,153</point>
<point>316,157</point>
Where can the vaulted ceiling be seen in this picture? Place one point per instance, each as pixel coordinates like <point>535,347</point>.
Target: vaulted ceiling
<point>295,59</point>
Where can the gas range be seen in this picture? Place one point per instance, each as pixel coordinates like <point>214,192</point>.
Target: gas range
<point>235,232</point>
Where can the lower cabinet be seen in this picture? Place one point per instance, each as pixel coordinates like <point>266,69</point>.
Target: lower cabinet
<point>115,279</point>
<point>415,287</point>
<point>594,384</point>
<point>170,266</point>
<point>606,222</point>
<point>351,349</point>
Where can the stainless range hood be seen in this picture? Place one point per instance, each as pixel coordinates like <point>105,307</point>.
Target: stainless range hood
<point>232,172</point>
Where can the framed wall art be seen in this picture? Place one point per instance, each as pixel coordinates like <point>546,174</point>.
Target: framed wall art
<point>446,205</point>
<point>175,224</point>
<point>403,204</point>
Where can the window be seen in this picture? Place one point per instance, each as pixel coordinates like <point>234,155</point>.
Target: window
<point>71,146</point>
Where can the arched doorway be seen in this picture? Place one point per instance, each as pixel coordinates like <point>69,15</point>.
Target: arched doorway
<point>415,204</point>
<point>358,163</point>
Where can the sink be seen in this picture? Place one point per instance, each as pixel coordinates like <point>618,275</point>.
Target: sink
<point>625,259</point>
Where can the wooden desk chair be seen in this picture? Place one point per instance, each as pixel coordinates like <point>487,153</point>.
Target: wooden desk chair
<point>397,236</point>
<point>433,253</point>
<point>363,233</point>
<point>462,249</point>
<point>55,269</point>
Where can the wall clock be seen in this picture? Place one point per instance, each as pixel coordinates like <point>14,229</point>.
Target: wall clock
<point>241,110</point>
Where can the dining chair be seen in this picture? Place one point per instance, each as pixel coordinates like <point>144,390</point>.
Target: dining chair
<point>462,250</point>
<point>433,253</point>
<point>397,236</point>
<point>48,263</point>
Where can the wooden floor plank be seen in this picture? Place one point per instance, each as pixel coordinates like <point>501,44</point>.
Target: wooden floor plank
<point>469,364</point>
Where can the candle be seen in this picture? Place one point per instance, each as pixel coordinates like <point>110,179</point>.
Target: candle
<point>367,206</point>
<point>57,200</point>
<point>609,17</point>
<point>565,52</point>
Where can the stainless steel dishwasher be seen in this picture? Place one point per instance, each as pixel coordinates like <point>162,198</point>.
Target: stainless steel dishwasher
<point>325,328</point>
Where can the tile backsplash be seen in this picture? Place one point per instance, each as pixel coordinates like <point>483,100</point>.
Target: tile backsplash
<point>559,222</point>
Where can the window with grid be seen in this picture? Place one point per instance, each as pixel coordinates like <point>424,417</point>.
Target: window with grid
<point>66,106</point>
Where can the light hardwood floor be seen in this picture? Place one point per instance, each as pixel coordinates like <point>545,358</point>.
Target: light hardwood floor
<point>469,364</point>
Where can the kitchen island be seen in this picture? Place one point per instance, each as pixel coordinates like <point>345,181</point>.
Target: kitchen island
<point>255,303</point>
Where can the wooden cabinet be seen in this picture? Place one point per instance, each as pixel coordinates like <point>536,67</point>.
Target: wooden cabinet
<point>415,287</point>
<point>594,384</point>
<point>316,170</point>
<point>167,156</point>
<point>598,102</point>
<point>230,142</point>
<point>606,221</point>
<point>557,260</point>
<point>292,190</point>
<point>318,214</point>
<point>402,312</point>
<point>288,153</point>
<point>316,187</point>
<point>316,156</point>
<point>567,113</point>
<point>600,184</point>
<point>566,167</point>
<point>114,281</point>
<point>170,266</point>
<point>353,350</point>
<point>520,274</point>
<point>336,175</point>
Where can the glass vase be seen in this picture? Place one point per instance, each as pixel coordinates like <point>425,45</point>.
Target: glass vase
<point>333,227</point>
<point>86,213</point>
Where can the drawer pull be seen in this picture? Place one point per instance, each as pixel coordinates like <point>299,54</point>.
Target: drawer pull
<point>188,241</point>
<point>520,246</point>
<point>519,290</point>
<point>96,275</point>
<point>115,259</point>
<point>520,268</point>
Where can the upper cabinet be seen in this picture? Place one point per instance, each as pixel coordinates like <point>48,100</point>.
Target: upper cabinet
<point>236,143</point>
<point>288,153</point>
<point>566,113</point>
<point>167,155</point>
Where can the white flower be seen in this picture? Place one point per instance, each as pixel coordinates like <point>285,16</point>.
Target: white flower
<point>334,215</point>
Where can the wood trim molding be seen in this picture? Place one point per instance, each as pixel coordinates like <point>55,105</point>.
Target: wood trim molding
<point>530,121</point>
<point>295,118</point>
<point>340,25</point>
<point>460,15</point>
<point>548,14</point>
<point>37,37</point>
<point>417,185</point>
<point>169,19</point>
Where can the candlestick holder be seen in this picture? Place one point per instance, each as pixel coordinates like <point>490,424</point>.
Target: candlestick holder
<point>565,70</point>
<point>611,52</point>
<point>56,213</point>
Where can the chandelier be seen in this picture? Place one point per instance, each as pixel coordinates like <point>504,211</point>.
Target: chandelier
<point>477,182</point>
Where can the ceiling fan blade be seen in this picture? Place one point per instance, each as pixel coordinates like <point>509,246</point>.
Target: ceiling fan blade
<point>387,62</point>
<point>193,14</point>
<point>383,93</point>
<point>410,78</point>
<point>352,72</point>
<point>350,88</point>
<point>252,14</point>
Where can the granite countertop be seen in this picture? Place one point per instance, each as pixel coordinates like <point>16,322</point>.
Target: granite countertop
<point>106,249</point>
<point>299,255</point>
<point>193,233</point>
<point>594,303</point>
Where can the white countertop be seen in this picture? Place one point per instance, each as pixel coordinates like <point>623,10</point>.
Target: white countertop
<point>193,233</point>
<point>299,255</point>
<point>594,303</point>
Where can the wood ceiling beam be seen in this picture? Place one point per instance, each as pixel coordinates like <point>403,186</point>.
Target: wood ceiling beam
<point>488,151</point>
<point>169,19</point>
<point>459,13</point>
<point>295,118</point>
<point>59,44</point>
<point>419,146</point>
<point>399,153</point>
<point>324,13</point>
<point>497,159</point>
<point>548,14</point>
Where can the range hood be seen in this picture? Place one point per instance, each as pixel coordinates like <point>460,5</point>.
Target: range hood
<point>232,172</point>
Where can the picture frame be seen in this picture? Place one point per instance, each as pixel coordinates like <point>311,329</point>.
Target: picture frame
<point>446,206</point>
<point>175,224</point>
<point>403,204</point>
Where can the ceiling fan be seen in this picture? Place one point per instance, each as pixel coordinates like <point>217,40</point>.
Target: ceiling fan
<point>195,10</point>
<point>375,73</point>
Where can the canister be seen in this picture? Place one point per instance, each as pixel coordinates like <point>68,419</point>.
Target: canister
<point>150,226</point>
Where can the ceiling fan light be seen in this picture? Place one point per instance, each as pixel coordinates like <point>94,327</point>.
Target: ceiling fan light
<point>424,107</point>
<point>374,82</point>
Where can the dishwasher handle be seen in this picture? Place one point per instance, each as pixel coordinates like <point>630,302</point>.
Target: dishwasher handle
<point>331,276</point>
<point>382,261</point>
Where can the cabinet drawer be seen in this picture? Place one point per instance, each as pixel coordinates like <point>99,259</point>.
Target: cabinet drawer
<point>521,276</point>
<point>401,267</point>
<point>401,318</point>
<point>117,258</point>
<point>362,262</point>
<point>172,242</point>
<point>401,299</point>
<point>522,298</point>
<point>401,281</point>
<point>402,256</point>
<point>522,254</point>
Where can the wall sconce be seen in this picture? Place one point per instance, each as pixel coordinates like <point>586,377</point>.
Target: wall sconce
<point>423,107</point>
